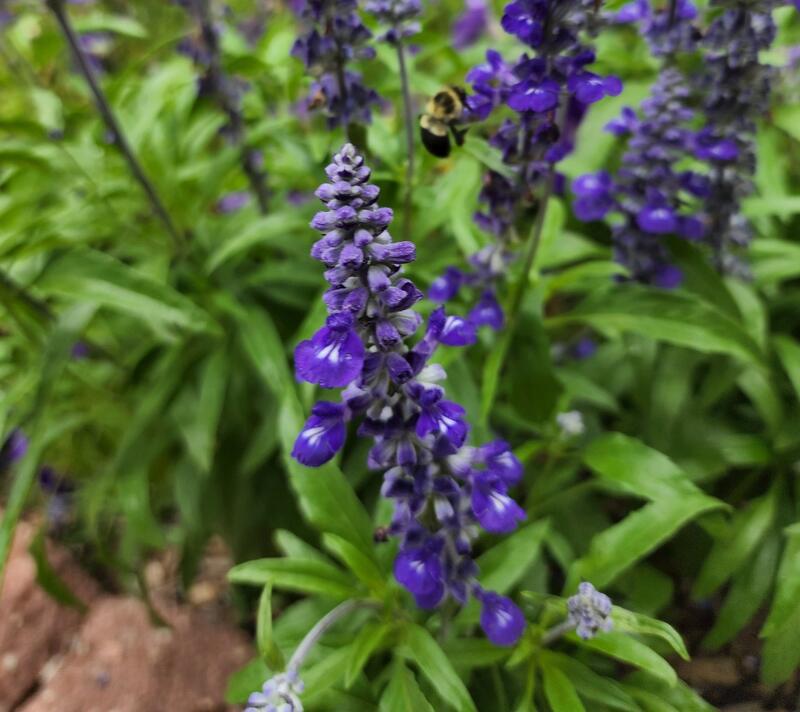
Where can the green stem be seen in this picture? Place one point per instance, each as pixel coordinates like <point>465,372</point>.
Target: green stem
<point>57,7</point>
<point>556,632</point>
<point>409,126</point>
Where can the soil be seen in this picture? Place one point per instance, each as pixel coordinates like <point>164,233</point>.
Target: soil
<point>114,657</point>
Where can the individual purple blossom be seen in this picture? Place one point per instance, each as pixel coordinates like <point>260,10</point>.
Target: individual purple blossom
<point>233,202</point>
<point>471,24</point>
<point>589,611</point>
<point>443,489</point>
<point>334,36</point>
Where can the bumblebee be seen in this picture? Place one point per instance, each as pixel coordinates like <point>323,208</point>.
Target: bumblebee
<point>442,114</point>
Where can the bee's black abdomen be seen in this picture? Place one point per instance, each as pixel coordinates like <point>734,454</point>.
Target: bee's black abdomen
<point>439,146</point>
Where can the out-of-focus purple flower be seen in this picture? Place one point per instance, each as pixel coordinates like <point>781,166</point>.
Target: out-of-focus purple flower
<point>233,202</point>
<point>334,37</point>
<point>297,197</point>
<point>442,488</point>
<point>80,350</point>
<point>667,30</point>
<point>13,449</point>
<point>471,24</point>
<point>584,348</point>
<point>589,611</point>
<point>446,286</point>
<point>398,16</point>
<point>501,619</point>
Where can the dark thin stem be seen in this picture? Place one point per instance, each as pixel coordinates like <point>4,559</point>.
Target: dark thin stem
<point>341,80</point>
<point>219,86</point>
<point>111,122</point>
<point>409,123</point>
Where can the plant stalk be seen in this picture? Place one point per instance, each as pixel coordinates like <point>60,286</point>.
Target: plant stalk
<point>556,632</point>
<point>57,7</point>
<point>327,621</point>
<point>409,126</point>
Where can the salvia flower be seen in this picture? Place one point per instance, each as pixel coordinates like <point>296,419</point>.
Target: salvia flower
<point>735,89</point>
<point>666,30</point>
<point>650,192</point>
<point>548,88</point>
<point>444,490</point>
<point>13,449</point>
<point>335,35</point>
<point>589,611</point>
<point>279,694</point>
<point>399,16</point>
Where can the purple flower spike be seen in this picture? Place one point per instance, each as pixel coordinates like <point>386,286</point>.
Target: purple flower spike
<point>333,357</point>
<point>322,436</point>
<point>471,24</point>
<point>501,619</point>
<point>496,511</point>
<point>393,391</point>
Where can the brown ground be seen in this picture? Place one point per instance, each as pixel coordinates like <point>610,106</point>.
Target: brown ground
<point>113,658</point>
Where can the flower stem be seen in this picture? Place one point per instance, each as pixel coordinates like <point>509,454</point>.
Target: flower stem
<point>248,156</point>
<point>556,632</point>
<point>409,125</point>
<point>313,636</point>
<point>57,7</point>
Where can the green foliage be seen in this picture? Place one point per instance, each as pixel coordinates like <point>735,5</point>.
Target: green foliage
<point>177,422</point>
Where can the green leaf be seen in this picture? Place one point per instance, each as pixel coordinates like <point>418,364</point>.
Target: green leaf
<point>679,695</point>
<point>504,565</point>
<point>293,547</point>
<point>246,680</point>
<point>629,650</point>
<point>559,691</point>
<point>590,684</point>
<point>305,576</point>
<point>92,276</point>
<point>433,663</point>
<point>619,547</point>
<point>402,694</point>
<point>787,590</point>
<point>364,567</point>
<point>780,656</point>
<point>749,588</point>
<point>666,316</point>
<point>649,701</point>
<point>630,622</point>
<point>47,577</point>
<point>638,469</point>
<point>54,359</point>
<point>488,155</point>
<point>266,645</point>
<point>775,260</point>
<point>788,351</point>
<point>730,551</point>
<point>119,24</point>
<point>367,641</point>
<point>325,496</point>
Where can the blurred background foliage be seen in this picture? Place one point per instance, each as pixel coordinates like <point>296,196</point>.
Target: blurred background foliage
<point>153,374</point>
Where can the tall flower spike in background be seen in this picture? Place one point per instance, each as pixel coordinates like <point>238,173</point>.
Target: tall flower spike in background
<point>549,92</point>
<point>399,16</point>
<point>335,36</point>
<point>735,89</point>
<point>443,490</point>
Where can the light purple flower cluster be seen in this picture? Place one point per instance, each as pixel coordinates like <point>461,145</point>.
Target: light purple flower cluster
<point>549,91</point>
<point>650,194</point>
<point>589,611</point>
<point>398,16</point>
<point>666,30</point>
<point>336,35</point>
<point>442,489</point>
<point>278,694</point>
